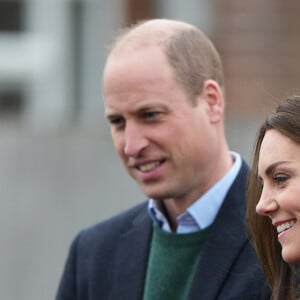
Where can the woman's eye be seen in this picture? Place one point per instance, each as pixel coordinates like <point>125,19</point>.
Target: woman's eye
<point>280,178</point>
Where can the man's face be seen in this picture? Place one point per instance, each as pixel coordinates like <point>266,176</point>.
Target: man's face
<point>165,143</point>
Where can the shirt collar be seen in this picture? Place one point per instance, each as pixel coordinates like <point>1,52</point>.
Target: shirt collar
<point>201,213</point>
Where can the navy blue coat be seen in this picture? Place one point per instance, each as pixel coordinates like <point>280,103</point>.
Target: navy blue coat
<point>108,261</point>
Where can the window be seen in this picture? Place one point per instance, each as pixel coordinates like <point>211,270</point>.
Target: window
<point>11,22</point>
<point>11,15</point>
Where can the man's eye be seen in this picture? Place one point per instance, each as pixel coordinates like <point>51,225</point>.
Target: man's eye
<point>150,114</point>
<point>116,121</point>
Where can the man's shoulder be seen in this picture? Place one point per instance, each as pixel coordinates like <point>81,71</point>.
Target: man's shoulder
<point>113,227</point>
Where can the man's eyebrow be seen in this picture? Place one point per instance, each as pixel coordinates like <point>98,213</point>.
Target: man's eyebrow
<point>150,106</point>
<point>110,112</point>
<point>143,107</point>
<point>110,115</point>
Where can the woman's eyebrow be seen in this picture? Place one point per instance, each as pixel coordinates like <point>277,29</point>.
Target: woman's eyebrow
<point>270,168</point>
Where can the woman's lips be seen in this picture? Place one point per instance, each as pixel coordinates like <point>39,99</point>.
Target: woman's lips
<point>284,225</point>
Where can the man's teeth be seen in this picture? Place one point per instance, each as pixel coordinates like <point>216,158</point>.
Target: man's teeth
<point>285,226</point>
<point>149,167</point>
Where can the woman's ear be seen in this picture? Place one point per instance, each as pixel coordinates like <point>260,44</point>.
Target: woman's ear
<point>213,95</point>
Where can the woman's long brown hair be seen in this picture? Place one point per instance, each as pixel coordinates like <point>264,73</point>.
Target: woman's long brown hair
<point>286,119</point>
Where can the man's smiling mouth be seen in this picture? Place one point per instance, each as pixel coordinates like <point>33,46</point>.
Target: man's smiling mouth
<point>149,166</point>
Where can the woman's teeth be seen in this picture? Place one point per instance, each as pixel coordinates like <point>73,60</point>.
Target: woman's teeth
<point>284,226</point>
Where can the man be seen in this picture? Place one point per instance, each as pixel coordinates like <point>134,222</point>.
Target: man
<point>164,99</point>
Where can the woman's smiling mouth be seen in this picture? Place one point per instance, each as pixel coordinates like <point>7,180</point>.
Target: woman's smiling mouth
<point>284,226</point>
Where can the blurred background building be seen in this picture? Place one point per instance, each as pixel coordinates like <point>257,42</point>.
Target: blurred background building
<point>59,172</point>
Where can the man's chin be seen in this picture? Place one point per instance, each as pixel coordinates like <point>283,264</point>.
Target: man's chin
<point>157,193</point>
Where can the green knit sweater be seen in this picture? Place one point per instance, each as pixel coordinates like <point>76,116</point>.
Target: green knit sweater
<point>172,264</point>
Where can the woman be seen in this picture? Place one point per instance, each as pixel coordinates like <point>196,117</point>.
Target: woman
<point>274,199</point>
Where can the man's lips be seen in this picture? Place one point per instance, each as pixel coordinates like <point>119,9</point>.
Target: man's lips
<point>147,166</point>
<point>284,225</point>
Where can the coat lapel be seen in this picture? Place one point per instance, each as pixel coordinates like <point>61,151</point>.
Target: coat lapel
<point>132,258</point>
<point>226,239</point>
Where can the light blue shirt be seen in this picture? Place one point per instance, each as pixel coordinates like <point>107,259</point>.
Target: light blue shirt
<point>201,213</point>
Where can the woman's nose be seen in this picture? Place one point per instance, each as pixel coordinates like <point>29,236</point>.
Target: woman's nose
<point>267,204</point>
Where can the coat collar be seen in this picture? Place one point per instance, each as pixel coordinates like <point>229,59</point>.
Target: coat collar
<point>223,241</point>
<point>132,258</point>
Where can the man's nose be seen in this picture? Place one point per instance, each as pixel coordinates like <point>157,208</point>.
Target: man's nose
<point>267,203</point>
<point>135,140</point>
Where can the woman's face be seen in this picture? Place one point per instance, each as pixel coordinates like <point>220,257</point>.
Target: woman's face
<point>279,171</point>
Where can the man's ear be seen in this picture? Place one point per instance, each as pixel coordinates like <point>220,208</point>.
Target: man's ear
<point>213,95</point>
